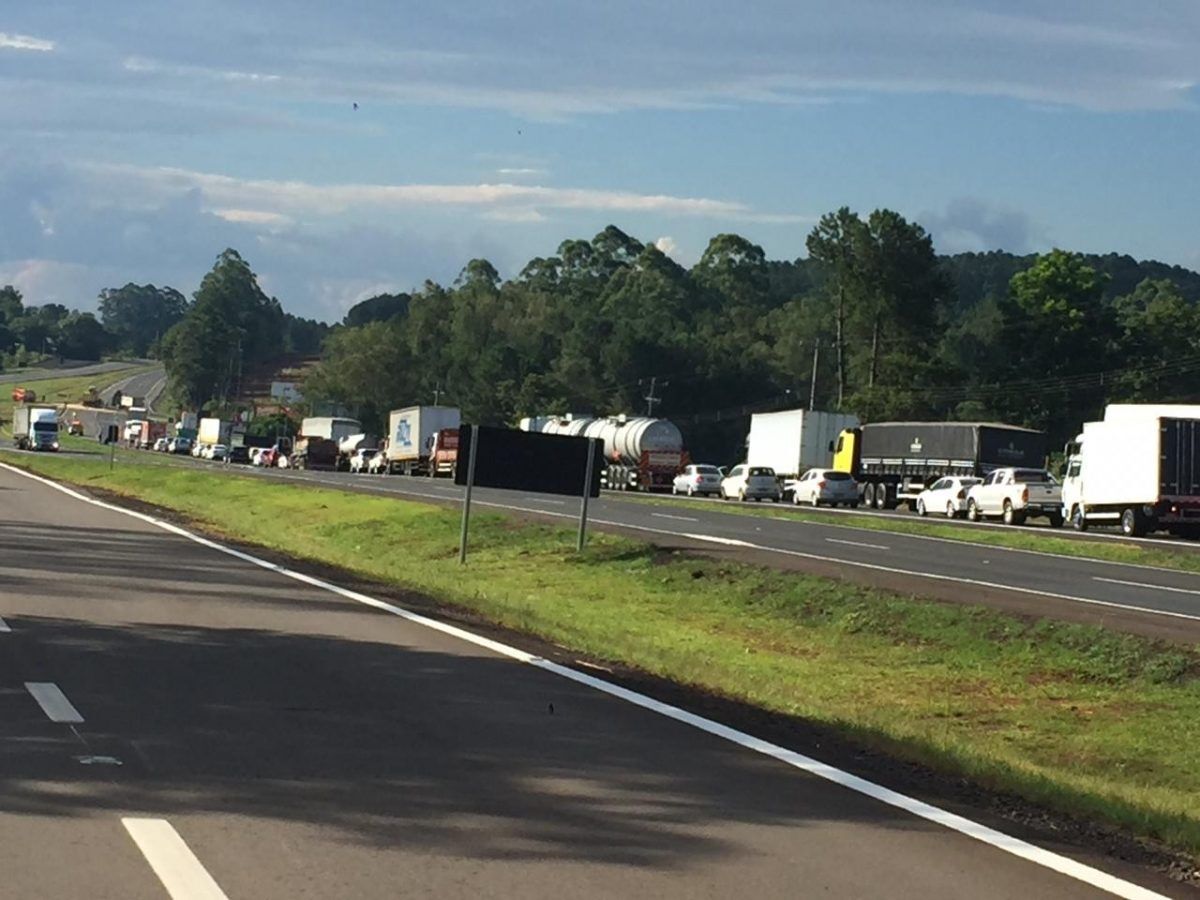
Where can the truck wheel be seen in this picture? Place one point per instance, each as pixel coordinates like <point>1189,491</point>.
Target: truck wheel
<point>921,511</point>
<point>1079,518</point>
<point>973,512</point>
<point>1133,523</point>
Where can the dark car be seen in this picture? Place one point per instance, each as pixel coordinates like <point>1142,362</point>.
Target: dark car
<point>239,455</point>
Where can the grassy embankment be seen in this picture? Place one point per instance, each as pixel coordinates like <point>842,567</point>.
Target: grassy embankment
<point>57,391</point>
<point>1161,556</point>
<point>1085,721</point>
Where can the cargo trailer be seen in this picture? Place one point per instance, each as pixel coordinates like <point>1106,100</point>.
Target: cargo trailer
<point>894,461</point>
<point>794,441</point>
<point>411,433</point>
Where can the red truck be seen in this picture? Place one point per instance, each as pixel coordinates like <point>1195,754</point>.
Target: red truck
<point>151,432</point>
<point>443,453</point>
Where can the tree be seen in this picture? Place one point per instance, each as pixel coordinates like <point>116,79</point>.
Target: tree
<point>379,308</point>
<point>82,337</point>
<point>138,315</point>
<point>1157,328</point>
<point>10,304</point>
<point>835,243</point>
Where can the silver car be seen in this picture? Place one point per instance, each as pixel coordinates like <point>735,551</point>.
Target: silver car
<point>697,479</point>
<point>751,483</point>
<point>817,486</point>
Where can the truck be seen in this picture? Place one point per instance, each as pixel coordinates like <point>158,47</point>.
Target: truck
<point>640,453</point>
<point>795,440</point>
<point>313,453</point>
<point>35,428</point>
<point>443,453</point>
<point>332,428</point>
<point>894,461</point>
<point>411,434</point>
<point>131,402</point>
<point>1138,468</point>
<point>1015,494</point>
<point>150,432</point>
<point>214,431</point>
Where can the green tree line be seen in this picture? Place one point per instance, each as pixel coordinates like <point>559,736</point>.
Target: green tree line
<point>871,321</point>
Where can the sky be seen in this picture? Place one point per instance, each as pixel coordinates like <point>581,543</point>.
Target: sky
<point>140,139</point>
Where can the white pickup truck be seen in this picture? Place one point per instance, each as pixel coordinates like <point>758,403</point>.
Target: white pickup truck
<point>1016,494</point>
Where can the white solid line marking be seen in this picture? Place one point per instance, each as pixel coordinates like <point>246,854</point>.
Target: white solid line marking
<point>53,701</point>
<point>857,544</point>
<point>1149,587</point>
<point>172,860</point>
<point>990,836</point>
<point>676,518</point>
<point>4,629</point>
<point>544,500</point>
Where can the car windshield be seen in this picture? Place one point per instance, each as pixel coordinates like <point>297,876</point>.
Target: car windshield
<point>837,476</point>
<point>761,472</point>
<point>707,470</point>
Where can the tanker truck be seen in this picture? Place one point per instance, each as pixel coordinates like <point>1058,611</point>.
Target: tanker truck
<point>640,453</point>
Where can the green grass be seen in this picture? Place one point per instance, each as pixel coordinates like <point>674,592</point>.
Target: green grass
<point>1086,721</point>
<point>1142,554</point>
<point>57,391</point>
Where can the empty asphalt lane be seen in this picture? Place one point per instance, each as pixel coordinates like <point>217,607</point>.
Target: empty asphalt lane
<point>299,744</point>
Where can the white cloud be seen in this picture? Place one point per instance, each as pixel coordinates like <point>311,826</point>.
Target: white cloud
<point>667,245</point>
<point>519,171</point>
<point>514,202</point>
<point>25,42</point>
<point>253,216</point>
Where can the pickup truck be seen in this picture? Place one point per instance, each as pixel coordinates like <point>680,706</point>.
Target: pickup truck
<point>1016,494</point>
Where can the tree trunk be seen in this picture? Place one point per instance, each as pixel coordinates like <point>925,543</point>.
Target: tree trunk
<point>841,358</point>
<point>874,352</point>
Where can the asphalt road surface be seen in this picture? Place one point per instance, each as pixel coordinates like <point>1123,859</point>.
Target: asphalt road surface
<point>176,720</point>
<point>147,384</point>
<point>65,372</point>
<point>1151,601</point>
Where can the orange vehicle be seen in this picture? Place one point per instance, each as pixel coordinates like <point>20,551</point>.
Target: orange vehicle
<point>24,395</point>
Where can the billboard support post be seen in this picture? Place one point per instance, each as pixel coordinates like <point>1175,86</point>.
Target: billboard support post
<point>473,443</point>
<point>587,490</point>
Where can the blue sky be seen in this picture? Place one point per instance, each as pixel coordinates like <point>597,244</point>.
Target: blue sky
<point>141,139</point>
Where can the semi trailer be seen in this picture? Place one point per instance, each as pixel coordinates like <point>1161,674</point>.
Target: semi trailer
<point>894,461</point>
<point>35,428</point>
<point>640,453</point>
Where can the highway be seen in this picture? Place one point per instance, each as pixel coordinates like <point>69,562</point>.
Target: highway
<point>1151,601</point>
<point>32,375</point>
<point>178,721</point>
<point>147,384</point>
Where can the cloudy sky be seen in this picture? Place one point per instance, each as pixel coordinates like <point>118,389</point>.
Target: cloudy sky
<point>137,140</point>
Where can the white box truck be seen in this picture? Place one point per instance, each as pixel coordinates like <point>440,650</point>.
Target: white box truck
<point>35,428</point>
<point>331,428</point>
<point>796,440</point>
<point>1139,469</point>
<point>410,436</point>
<point>214,431</point>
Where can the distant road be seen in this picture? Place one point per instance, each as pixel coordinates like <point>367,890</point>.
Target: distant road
<point>68,372</point>
<point>171,716</point>
<point>147,384</point>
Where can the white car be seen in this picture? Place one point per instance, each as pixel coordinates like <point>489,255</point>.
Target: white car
<point>697,479</point>
<point>751,483</point>
<point>198,450</point>
<point>946,496</point>
<point>378,464</point>
<point>360,461</point>
<point>817,486</point>
<point>217,452</point>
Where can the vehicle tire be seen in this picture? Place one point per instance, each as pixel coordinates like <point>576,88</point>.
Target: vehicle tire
<point>1079,518</point>
<point>690,491</point>
<point>1012,516</point>
<point>741,496</point>
<point>853,504</point>
<point>674,491</point>
<point>1056,520</point>
<point>795,498</point>
<point>973,512</point>
<point>816,500</point>
<point>921,510</point>
<point>951,512</point>
<point>1133,523</point>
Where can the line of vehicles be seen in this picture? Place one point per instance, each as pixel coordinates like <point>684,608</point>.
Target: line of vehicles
<point>1138,468</point>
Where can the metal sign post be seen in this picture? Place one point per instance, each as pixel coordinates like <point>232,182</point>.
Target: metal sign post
<point>473,444</point>
<point>587,490</point>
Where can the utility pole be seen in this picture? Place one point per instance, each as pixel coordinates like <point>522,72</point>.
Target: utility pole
<point>812,391</point>
<point>437,393</point>
<point>650,398</point>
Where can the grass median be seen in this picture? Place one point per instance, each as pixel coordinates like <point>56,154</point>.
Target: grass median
<point>1092,723</point>
<point>1159,556</point>
<point>68,389</point>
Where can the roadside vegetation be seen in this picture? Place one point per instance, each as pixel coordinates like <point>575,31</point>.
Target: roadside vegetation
<point>57,391</point>
<point>1089,722</point>
<point>1159,555</point>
